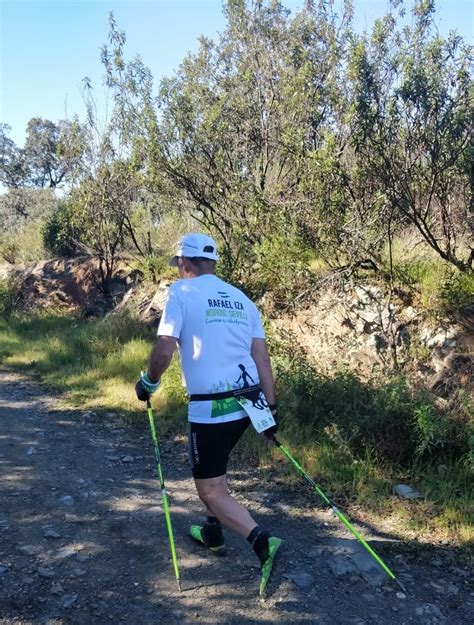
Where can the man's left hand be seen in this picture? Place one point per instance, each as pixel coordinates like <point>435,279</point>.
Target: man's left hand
<point>145,388</point>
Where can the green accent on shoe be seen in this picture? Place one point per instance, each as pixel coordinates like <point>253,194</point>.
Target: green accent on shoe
<point>274,544</point>
<point>196,534</point>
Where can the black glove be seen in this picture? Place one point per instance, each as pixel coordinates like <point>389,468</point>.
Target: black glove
<point>145,388</point>
<point>142,393</point>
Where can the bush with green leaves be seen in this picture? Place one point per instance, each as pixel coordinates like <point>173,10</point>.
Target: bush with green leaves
<point>61,233</point>
<point>281,267</point>
<point>386,418</point>
<point>9,297</point>
<point>457,289</point>
<point>9,251</point>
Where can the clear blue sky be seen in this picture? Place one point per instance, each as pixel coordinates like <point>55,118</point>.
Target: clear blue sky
<point>48,46</point>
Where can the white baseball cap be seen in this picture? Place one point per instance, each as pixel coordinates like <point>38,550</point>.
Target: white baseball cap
<point>195,245</point>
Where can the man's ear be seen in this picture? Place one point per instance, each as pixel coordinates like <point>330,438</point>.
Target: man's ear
<point>189,267</point>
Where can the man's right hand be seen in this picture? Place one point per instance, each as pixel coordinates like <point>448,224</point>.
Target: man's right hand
<point>145,388</point>
<point>271,431</point>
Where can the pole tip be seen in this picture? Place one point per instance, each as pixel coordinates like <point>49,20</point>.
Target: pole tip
<point>401,585</point>
<point>179,585</point>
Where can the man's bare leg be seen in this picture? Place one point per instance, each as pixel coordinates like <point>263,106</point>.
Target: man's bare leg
<point>214,493</point>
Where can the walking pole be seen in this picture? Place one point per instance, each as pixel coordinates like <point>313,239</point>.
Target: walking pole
<point>337,512</point>
<point>163,491</point>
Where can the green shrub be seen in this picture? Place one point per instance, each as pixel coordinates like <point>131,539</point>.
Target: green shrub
<point>441,287</point>
<point>25,246</point>
<point>457,289</point>
<point>432,429</point>
<point>281,267</point>
<point>60,233</point>
<point>9,251</point>
<point>155,268</point>
<point>9,297</point>
<point>385,418</point>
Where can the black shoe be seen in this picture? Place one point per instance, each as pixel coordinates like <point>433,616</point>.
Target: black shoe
<point>210,537</point>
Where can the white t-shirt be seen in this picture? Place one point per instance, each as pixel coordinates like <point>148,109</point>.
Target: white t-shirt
<point>214,323</point>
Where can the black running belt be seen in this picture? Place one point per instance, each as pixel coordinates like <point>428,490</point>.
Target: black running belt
<point>236,392</point>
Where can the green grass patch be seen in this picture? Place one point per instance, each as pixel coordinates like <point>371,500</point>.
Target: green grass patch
<point>94,364</point>
<point>356,439</point>
<point>441,288</point>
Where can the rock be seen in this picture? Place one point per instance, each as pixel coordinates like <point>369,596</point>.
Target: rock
<point>401,595</point>
<point>67,500</point>
<point>350,559</point>
<point>82,557</point>
<point>56,589</point>
<point>438,588</point>
<point>302,580</point>
<point>406,492</point>
<point>51,533</point>
<point>45,572</point>
<point>128,459</point>
<point>434,611</point>
<point>78,572</point>
<point>368,597</point>
<point>30,451</point>
<point>30,550</point>
<point>452,589</point>
<point>430,610</point>
<point>66,552</point>
<point>68,600</point>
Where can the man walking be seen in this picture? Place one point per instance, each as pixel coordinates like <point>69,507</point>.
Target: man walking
<point>228,375</point>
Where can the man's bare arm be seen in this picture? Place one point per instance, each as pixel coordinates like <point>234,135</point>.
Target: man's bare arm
<point>264,367</point>
<point>161,355</point>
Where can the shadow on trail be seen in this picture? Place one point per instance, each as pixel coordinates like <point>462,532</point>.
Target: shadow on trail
<point>83,537</point>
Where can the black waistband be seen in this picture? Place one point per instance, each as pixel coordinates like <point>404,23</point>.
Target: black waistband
<point>236,392</point>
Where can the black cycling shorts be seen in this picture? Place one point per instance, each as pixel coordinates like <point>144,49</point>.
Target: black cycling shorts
<point>210,445</point>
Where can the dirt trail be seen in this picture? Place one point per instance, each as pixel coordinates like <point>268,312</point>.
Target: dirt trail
<point>83,539</point>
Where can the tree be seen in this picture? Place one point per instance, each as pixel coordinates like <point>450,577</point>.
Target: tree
<point>13,169</point>
<point>22,212</point>
<point>411,128</point>
<point>297,127</point>
<point>232,129</point>
<point>52,151</point>
<point>102,205</point>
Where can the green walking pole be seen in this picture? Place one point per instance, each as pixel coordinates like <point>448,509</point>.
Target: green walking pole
<point>163,491</point>
<point>339,514</point>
